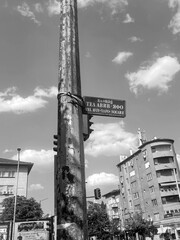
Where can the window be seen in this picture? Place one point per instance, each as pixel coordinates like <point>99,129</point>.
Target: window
<point>151,189</point>
<point>137,207</point>
<point>164,200</point>
<point>136,195</point>
<point>154,202</point>
<point>6,174</point>
<point>149,176</point>
<point>165,147</point>
<point>158,174</point>
<point>132,173</point>
<point>144,154</point>
<point>134,184</point>
<point>156,216</point>
<point>147,165</point>
<point>153,149</point>
<point>11,174</point>
<point>155,161</point>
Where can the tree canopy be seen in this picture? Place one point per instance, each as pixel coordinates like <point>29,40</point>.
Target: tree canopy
<point>25,209</point>
<point>137,224</point>
<point>98,221</point>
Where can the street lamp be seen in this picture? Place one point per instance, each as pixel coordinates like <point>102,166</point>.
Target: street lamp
<point>16,191</point>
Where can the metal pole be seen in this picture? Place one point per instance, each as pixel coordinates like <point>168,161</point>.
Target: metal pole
<point>16,191</point>
<point>70,194</point>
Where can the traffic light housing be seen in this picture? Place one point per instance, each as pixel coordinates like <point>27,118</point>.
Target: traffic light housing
<point>55,142</point>
<point>50,226</point>
<point>97,193</point>
<point>87,126</point>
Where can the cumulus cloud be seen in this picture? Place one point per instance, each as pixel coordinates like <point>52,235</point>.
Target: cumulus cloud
<point>156,75</point>
<point>174,24</point>
<point>128,19</point>
<point>114,5</point>
<point>122,57</point>
<point>102,178</point>
<point>38,7</point>
<point>10,101</point>
<point>25,11</point>
<point>110,139</point>
<point>41,158</point>
<point>53,7</point>
<point>135,39</point>
<point>35,187</point>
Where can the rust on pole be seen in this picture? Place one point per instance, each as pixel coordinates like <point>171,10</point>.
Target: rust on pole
<point>70,194</point>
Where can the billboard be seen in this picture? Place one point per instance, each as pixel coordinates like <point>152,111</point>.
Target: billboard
<point>31,230</point>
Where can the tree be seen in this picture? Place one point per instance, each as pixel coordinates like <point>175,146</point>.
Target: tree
<point>98,221</point>
<point>25,209</point>
<point>137,224</point>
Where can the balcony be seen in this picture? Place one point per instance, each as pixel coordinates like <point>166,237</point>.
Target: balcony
<point>168,193</point>
<point>164,179</point>
<point>159,154</point>
<point>161,166</point>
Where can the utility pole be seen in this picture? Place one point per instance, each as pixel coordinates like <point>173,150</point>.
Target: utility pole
<point>70,194</point>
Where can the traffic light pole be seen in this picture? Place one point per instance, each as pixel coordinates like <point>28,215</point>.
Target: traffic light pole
<point>70,194</point>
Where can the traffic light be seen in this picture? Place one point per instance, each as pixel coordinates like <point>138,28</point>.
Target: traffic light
<point>50,226</point>
<point>55,142</point>
<point>87,126</point>
<point>97,193</point>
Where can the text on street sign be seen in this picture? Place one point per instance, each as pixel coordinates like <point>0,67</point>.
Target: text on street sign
<point>105,106</point>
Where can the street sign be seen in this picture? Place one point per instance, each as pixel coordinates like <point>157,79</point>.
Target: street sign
<point>105,107</point>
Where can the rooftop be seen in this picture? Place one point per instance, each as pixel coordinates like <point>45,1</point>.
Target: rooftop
<point>4,161</point>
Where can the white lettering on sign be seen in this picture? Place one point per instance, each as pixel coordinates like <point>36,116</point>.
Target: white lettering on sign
<point>105,107</point>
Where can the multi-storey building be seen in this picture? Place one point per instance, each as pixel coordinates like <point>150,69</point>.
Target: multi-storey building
<point>8,178</point>
<point>149,183</point>
<point>112,204</point>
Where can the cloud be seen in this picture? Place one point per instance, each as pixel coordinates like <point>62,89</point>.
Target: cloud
<point>25,11</point>
<point>135,39</point>
<point>157,75</point>
<point>35,187</point>
<point>10,101</point>
<point>128,19</point>
<point>110,139</point>
<point>174,3</point>
<point>41,158</point>
<point>122,57</point>
<point>38,7</point>
<point>53,6</point>
<point>102,178</point>
<point>174,24</point>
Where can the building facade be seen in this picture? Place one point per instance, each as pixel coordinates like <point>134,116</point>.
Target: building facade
<point>112,204</point>
<point>8,178</point>
<point>149,184</point>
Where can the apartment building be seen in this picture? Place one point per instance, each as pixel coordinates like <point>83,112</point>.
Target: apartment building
<point>8,178</point>
<point>112,204</point>
<point>149,184</point>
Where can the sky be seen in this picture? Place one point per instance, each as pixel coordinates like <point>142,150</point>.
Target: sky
<point>129,50</point>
